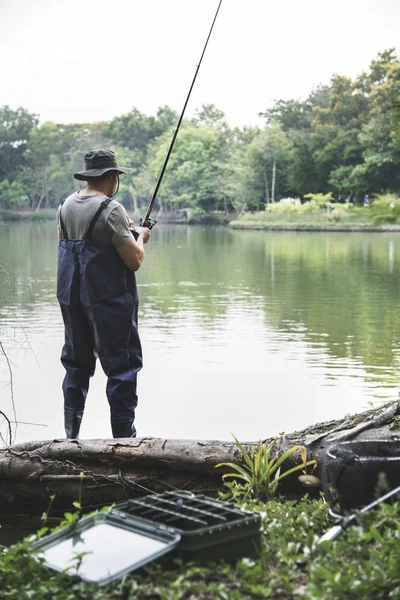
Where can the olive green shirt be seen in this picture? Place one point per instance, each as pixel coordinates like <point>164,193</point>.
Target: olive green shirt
<point>111,227</point>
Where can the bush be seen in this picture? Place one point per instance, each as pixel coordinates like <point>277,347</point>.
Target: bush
<point>363,562</point>
<point>49,215</point>
<point>9,215</point>
<point>319,200</point>
<point>385,208</point>
<point>338,212</point>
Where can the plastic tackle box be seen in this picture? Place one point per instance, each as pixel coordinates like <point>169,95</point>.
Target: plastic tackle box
<point>103,547</point>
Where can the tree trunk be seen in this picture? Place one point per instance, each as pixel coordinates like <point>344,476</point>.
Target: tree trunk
<point>225,205</point>
<point>117,469</point>
<point>40,201</point>
<point>266,186</point>
<point>43,194</point>
<point>273,181</point>
<point>134,207</point>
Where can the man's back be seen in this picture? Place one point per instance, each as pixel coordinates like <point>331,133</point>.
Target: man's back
<point>111,227</point>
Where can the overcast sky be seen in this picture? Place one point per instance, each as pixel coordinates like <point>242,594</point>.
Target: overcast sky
<point>91,60</point>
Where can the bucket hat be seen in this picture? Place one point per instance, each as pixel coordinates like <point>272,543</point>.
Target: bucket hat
<point>98,162</point>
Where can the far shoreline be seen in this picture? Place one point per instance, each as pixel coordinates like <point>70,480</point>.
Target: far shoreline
<point>292,227</point>
<point>222,219</point>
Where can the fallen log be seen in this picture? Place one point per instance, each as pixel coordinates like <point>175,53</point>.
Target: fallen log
<point>105,471</point>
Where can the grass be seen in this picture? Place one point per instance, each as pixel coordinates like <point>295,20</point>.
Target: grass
<point>361,563</point>
<point>41,215</point>
<point>338,218</point>
<point>9,215</point>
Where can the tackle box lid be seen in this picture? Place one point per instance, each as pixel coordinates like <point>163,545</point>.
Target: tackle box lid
<point>104,547</point>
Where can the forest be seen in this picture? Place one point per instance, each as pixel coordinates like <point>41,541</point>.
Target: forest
<point>343,140</point>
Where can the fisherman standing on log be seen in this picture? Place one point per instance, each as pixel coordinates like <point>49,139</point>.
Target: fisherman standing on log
<point>98,255</point>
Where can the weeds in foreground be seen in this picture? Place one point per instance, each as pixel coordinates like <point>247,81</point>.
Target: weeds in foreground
<point>261,473</point>
<point>362,563</point>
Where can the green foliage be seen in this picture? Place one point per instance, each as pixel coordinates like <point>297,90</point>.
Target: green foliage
<point>343,140</point>
<point>371,572</point>
<point>261,471</point>
<point>15,128</point>
<point>136,131</point>
<point>361,563</point>
<point>394,113</point>
<point>319,200</point>
<point>385,209</point>
<point>9,215</point>
<point>338,212</point>
<point>194,174</point>
<point>12,195</point>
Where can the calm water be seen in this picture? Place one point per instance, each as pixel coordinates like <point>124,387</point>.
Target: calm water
<point>251,333</point>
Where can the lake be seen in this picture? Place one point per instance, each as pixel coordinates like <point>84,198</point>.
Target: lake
<point>244,332</point>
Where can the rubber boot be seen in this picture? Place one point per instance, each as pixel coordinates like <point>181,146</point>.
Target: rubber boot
<point>123,429</point>
<point>72,423</point>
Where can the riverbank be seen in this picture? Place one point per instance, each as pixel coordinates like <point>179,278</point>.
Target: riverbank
<point>358,219</point>
<point>173,218</point>
<point>8,216</point>
<point>355,219</point>
<point>361,563</point>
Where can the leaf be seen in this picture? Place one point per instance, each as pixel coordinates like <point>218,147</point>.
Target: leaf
<point>236,476</point>
<point>238,469</point>
<point>303,455</point>
<point>284,457</point>
<point>245,455</point>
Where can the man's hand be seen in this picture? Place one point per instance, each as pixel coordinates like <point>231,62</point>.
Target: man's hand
<point>144,233</point>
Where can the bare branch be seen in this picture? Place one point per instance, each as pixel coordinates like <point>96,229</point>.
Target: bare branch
<point>9,430</point>
<point>11,391</point>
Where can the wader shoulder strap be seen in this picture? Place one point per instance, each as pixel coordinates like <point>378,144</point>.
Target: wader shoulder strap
<point>62,228</point>
<point>93,222</point>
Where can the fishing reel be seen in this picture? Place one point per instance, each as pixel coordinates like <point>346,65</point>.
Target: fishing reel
<point>147,222</point>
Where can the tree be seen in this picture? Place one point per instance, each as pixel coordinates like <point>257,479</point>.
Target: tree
<point>381,155</point>
<point>15,127</point>
<point>356,147</point>
<point>192,179</point>
<point>303,174</point>
<point>137,131</point>
<point>296,118</point>
<point>44,142</point>
<point>12,195</point>
<point>210,116</point>
<point>297,115</point>
<point>268,153</point>
<point>237,171</point>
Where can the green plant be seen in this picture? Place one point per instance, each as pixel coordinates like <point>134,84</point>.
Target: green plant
<point>9,215</point>
<point>261,472</point>
<point>44,215</point>
<point>385,209</point>
<point>319,200</point>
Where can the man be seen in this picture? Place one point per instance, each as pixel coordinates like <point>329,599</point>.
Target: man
<point>96,288</point>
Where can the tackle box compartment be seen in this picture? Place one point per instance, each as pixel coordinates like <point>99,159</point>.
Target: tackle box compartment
<point>210,529</point>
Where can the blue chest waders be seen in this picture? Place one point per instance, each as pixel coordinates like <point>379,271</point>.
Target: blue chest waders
<point>99,304</point>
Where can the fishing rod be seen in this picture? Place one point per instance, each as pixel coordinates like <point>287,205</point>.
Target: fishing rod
<point>148,221</point>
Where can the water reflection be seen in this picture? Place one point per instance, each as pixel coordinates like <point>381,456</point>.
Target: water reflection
<point>244,332</point>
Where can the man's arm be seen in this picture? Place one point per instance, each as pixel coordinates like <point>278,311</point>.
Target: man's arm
<point>132,253</point>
